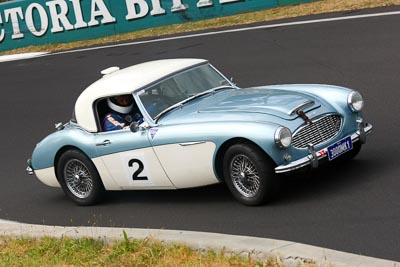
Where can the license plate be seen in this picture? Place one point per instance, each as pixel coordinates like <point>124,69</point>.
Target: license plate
<point>340,148</point>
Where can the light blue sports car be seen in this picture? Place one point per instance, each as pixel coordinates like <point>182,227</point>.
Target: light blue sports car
<point>194,128</point>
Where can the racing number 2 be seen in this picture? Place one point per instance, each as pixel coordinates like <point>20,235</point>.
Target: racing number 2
<point>136,174</point>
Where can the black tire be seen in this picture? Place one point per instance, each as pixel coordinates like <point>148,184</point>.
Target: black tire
<point>79,178</point>
<point>249,174</point>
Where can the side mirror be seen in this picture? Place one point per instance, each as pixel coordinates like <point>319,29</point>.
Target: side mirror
<point>134,127</point>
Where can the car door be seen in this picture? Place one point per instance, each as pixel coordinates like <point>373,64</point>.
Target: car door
<point>130,160</point>
<point>185,156</point>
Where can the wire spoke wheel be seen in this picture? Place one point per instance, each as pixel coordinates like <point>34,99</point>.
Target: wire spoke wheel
<point>78,178</point>
<point>249,174</point>
<point>245,176</point>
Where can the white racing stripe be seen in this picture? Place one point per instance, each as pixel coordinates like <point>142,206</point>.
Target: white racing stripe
<point>28,55</point>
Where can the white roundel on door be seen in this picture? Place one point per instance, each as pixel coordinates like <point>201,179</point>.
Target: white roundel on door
<point>137,169</point>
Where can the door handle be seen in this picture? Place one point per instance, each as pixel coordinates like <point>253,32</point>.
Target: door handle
<point>104,143</point>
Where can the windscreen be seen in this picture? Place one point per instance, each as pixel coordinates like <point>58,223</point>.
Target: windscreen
<point>180,87</point>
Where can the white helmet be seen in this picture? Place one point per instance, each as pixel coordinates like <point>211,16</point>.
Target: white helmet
<point>115,105</point>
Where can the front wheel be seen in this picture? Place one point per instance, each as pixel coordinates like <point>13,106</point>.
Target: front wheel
<point>249,174</point>
<point>79,178</point>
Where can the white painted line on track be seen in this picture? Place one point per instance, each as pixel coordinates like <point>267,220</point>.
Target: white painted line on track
<point>286,24</point>
<point>21,56</point>
<point>234,30</point>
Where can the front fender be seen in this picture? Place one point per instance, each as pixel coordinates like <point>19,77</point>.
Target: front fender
<point>260,133</point>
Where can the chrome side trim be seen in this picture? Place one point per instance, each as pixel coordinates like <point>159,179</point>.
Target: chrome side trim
<point>301,106</point>
<point>359,135</point>
<point>192,143</point>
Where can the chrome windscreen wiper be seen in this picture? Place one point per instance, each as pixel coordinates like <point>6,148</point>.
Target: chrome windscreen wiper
<point>209,91</point>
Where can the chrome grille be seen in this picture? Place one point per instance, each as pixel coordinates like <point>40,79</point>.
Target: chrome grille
<point>320,131</point>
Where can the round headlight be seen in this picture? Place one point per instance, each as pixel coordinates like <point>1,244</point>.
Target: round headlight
<point>283,137</point>
<point>355,101</point>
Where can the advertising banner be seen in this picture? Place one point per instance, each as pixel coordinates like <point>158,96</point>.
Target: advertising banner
<point>38,22</point>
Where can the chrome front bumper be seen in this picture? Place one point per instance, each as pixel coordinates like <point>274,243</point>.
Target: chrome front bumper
<point>314,156</point>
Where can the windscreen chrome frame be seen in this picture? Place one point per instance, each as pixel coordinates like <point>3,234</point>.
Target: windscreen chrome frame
<point>145,114</point>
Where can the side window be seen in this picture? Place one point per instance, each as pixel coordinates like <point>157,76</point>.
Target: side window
<point>101,109</point>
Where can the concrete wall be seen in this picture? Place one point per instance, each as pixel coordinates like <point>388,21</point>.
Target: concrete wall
<point>38,22</point>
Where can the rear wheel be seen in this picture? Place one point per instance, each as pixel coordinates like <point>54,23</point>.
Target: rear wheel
<point>249,174</point>
<point>79,178</point>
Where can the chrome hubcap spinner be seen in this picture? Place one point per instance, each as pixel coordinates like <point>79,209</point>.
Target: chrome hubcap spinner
<point>245,176</point>
<point>77,178</point>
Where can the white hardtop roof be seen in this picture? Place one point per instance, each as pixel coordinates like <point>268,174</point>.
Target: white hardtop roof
<point>126,81</point>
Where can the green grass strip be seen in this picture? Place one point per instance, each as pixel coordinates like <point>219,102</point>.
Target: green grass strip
<point>90,252</point>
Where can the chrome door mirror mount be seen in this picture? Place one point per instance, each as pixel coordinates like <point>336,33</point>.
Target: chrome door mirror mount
<point>135,127</point>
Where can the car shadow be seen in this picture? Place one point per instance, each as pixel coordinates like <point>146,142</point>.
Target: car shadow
<point>328,179</point>
<point>217,193</point>
<point>334,178</point>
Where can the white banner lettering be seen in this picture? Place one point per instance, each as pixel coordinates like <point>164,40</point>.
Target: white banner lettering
<point>157,9</point>
<point>131,7</point>
<point>178,6</point>
<point>14,13</point>
<point>80,23</point>
<point>59,18</point>
<point>2,34</point>
<point>44,21</point>
<point>99,9</point>
<point>22,17</point>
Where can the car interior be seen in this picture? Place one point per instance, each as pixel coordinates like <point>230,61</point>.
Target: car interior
<point>101,109</point>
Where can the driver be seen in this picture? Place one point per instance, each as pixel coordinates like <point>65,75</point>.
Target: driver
<point>121,114</point>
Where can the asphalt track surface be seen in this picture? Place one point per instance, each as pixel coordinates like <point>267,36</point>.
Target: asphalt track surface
<point>352,207</point>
